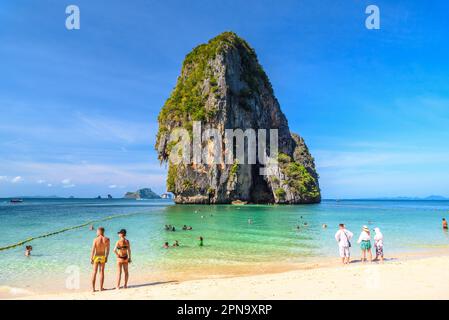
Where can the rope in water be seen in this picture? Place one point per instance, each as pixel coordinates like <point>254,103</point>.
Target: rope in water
<point>64,230</point>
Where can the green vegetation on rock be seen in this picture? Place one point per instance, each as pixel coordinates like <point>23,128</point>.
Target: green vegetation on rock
<point>171,177</point>
<point>197,82</point>
<point>298,178</point>
<point>234,168</point>
<point>280,193</point>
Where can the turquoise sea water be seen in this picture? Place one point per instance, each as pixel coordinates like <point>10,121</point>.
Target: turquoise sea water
<point>271,238</point>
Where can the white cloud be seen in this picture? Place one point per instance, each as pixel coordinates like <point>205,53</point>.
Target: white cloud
<point>116,130</point>
<point>99,175</point>
<point>17,179</point>
<point>114,186</point>
<point>67,183</point>
<point>49,185</point>
<point>3,178</point>
<point>40,181</point>
<point>382,171</point>
<point>373,158</point>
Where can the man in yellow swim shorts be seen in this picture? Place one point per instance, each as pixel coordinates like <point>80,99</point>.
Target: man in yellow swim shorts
<point>99,257</point>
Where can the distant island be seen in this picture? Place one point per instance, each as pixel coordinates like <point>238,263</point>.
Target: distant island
<point>145,193</point>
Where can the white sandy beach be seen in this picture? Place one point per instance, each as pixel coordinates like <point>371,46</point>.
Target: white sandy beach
<point>410,278</point>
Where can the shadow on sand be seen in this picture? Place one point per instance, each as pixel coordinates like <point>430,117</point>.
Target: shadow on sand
<point>374,261</point>
<point>152,284</point>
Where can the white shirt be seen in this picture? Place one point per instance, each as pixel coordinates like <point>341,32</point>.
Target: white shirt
<point>379,240</point>
<point>364,236</point>
<point>343,237</point>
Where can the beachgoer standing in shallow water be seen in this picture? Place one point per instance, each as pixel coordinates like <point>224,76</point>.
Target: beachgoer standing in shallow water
<point>201,242</point>
<point>122,250</point>
<point>99,257</point>
<point>379,245</point>
<point>444,224</point>
<point>343,237</point>
<point>28,250</point>
<point>365,243</point>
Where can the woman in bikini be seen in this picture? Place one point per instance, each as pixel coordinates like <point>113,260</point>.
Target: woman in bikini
<point>123,252</point>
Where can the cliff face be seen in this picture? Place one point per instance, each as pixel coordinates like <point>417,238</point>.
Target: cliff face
<point>223,85</point>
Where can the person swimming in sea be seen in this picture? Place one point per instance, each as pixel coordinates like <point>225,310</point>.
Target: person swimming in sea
<point>444,223</point>
<point>184,227</point>
<point>166,245</point>
<point>176,244</point>
<point>28,250</point>
<point>201,244</point>
<point>122,250</point>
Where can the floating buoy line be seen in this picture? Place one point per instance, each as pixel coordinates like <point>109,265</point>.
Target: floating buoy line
<point>20,243</point>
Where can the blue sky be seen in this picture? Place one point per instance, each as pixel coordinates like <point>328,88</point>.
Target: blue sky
<point>78,109</point>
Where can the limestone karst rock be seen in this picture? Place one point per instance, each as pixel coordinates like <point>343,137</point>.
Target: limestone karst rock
<point>223,85</point>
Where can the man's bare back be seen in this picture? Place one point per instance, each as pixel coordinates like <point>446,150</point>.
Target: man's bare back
<point>99,256</point>
<point>100,245</point>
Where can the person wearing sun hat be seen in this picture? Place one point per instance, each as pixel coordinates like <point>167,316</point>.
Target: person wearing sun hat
<point>365,243</point>
<point>379,245</point>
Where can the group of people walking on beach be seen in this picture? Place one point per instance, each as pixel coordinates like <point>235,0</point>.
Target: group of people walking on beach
<point>344,237</point>
<point>100,253</point>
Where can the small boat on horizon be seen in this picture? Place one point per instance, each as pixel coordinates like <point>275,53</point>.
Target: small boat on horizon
<point>16,201</point>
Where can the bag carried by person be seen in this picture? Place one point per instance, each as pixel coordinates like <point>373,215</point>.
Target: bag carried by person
<point>349,242</point>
